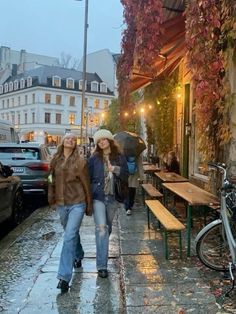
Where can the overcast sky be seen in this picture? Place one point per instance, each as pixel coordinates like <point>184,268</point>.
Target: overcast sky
<point>50,27</point>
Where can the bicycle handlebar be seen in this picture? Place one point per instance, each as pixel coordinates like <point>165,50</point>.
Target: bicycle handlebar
<point>222,167</point>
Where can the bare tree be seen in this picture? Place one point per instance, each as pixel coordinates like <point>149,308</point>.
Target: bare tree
<point>66,61</point>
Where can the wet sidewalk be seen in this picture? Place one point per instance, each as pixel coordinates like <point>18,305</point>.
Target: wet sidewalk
<point>140,279</point>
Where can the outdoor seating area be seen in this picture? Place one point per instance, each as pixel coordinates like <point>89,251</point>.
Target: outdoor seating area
<point>160,197</point>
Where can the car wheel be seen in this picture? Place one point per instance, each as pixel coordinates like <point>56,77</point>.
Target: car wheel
<point>17,210</point>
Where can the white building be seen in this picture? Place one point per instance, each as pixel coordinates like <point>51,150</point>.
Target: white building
<point>104,63</point>
<point>45,102</point>
<point>23,60</point>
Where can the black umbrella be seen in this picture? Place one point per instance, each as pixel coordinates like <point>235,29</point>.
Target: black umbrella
<point>131,143</point>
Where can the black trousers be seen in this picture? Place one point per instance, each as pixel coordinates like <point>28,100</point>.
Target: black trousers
<point>129,202</point>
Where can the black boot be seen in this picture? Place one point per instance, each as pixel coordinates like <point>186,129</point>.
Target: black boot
<point>78,263</point>
<point>63,285</point>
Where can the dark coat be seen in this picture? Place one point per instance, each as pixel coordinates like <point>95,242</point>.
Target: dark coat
<point>96,171</point>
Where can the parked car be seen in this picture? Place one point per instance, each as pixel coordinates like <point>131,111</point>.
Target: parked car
<point>11,196</point>
<point>29,161</point>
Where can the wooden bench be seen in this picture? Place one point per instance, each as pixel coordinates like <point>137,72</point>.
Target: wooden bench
<point>169,222</point>
<point>151,191</point>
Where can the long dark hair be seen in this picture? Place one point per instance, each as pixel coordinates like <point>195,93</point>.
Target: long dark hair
<point>115,150</point>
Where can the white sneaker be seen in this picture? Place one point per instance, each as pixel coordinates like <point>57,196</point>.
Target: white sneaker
<point>128,212</point>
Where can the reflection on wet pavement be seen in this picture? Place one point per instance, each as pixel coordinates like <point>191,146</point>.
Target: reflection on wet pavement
<point>140,279</point>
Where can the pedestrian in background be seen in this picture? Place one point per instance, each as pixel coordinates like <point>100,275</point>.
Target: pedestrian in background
<point>105,163</point>
<point>136,175</point>
<point>69,190</point>
<point>172,163</point>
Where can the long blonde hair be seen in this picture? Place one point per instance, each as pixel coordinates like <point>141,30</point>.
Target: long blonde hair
<point>59,153</point>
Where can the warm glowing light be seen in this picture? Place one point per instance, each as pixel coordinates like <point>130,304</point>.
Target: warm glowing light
<point>178,95</point>
<point>103,115</point>
<point>150,106</point>
<point>158,102</point>
<point>142,110</point>
<point>126,114</point>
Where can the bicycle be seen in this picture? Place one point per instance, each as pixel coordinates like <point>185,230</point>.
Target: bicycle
<point>215,243</point>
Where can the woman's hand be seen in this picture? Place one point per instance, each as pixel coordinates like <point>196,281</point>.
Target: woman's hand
<point>110,167</point>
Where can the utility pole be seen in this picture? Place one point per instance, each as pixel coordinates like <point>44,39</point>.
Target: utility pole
<point>84,70</point>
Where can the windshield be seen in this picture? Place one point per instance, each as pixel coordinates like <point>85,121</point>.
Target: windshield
<point>19,153</point>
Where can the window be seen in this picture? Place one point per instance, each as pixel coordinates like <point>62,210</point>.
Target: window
<point>72,100</point>
<point>33,117</point>
<point>69,83</point>
<point>71,118</point>
<point>26,118</point>
<point>5,87</point>
<point>7,103</point>
<point>58,118</point>
<point>10,87</point>
<point>1,89</point>
<point>94,86</point>
<point>3,104</point>
<point>81,84</point>
<point>58,99</point>
<point>12,102</point>
<point>103,87</point>
<point>13,118</point>
<point>47,117</point>
<point>96,103</point>
<point>18,100</point>
<point>56,81</point>
<point>22,83</point>
<point>47,98</point>
<point>18,119</point>
<point>105,104</point>
<point>26,99</point>
<point>29,81</point>
<point>33,98</point>
<point>16,85</point>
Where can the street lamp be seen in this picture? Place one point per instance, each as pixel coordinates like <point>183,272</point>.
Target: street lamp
<point>84,69</point>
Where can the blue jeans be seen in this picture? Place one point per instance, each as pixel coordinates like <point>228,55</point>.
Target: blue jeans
<point>71,218</point>
<point>103,213</point>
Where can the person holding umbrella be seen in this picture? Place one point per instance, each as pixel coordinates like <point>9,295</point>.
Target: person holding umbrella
<point>136,174</point>
<point>132,145</point>
<point>105,166</point>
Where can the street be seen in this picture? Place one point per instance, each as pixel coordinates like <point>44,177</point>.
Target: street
<point>140,279</point>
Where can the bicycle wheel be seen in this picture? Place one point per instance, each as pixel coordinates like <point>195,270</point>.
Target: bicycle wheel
<point>212,248</point>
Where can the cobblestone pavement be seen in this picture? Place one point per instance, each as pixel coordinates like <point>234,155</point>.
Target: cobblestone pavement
<point>140,279</point>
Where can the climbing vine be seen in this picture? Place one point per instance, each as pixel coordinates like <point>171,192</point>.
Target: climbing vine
<point>210,27</point>
<point>140,43</point>
<point>160,122</point>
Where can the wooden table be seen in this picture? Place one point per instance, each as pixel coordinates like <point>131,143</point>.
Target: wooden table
<point>194,196</point>
<point>150,169</point>
<point>164,177</point>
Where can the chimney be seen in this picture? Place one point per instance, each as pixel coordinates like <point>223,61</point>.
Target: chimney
<point>14,69</point>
